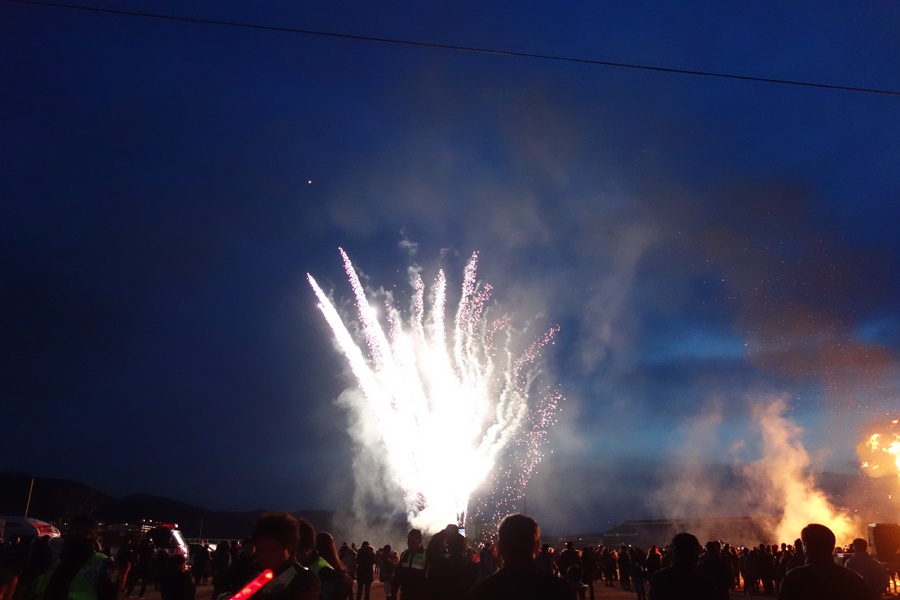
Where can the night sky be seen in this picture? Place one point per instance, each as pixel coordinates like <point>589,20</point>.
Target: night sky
<point>705,244</point>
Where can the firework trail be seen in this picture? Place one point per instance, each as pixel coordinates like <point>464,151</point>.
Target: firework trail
<point>453,409</point>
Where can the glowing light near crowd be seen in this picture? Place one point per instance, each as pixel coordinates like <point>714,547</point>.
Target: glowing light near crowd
<point>879,453</point>
<point>254,586</point>
<point>454,404</point>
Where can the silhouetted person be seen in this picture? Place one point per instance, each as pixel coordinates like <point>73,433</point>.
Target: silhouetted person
<point>799,558</point>
<point>574,576</point>
<point>451,577</point>
<point>609,564</point>
<point>10,570</point>
<point>873,572</point>
<point>544,559</point>
<point>81,572</point>
<point>623,562</point>
<point>520,578</point>
<point>487,561</point>
<point>336,582</point>
<point>176,582</point>
<point>39,561</point>
<point>716,569</point>
<point>243,567</point>
<point>654,561</point>
<point>277,537</point>
<point>567,558</point>
<point>767,571</point>
<point>221,560</point>
<point>125,558</point>
<point>682,580</point>
<point>142,568</point>
<point>410,575</point>
<point>386,573</point>
<point>820,578</point>
<point>588,569</point>
<point>365,570</point>
<point>347,554</point>
<point>160,567</point>
<point>639,577</point>
<point>201,564</point>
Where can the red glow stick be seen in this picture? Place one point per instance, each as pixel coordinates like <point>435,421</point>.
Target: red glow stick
<point>254,585</point>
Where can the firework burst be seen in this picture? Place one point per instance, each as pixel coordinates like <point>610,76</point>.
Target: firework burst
<point>455,406</point>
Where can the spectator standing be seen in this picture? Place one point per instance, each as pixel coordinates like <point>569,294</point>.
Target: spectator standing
<point>451,577</point>
<point>410,575</point>
<point>873,572</point>
<point>142,568</point>
<point>347,554</point>
<point>623,562</point>
<point>487,561</point>
<point>519,538</point>
<point>125,558</point>
<point>682,580</point>
<point>336,582</point>
<point>160,567</point>
<point>567,558</point>
<point>638,576</point>
<point>9,573</point>
<point>81,572</point>
<point>243,567</point>
<point>278,541</point>
<point>200,564</point>
<point>654,561</point>
<point>767,571</point>
<point>544,559</point>
<point>365,570</point>
<point>588,569</point>
<point>176,582</point>
<point>716,569</point>
<point>386,573</point>
<point>799,558</point>
<point>820,578</point>
<point>221,561</point>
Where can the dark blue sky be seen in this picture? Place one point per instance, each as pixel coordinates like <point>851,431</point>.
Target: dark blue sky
<point>705,244</point>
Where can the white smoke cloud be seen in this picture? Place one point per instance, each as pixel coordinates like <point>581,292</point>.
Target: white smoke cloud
<point>411,248</point>
<point>601,327</point>
<point>697,490</point>
<point>374,493</point>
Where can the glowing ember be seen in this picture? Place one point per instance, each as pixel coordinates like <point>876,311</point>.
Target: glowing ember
<point>879,453</point>
<point>452,408</point>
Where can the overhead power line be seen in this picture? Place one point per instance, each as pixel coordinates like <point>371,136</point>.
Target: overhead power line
<point>455,47</point>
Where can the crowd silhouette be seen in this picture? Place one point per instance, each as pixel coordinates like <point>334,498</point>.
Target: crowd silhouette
<point>306,565</point>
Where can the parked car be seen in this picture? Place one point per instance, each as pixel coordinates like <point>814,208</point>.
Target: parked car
<point>26,527</point>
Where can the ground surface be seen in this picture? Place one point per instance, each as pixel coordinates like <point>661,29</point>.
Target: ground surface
<point>204,592</point>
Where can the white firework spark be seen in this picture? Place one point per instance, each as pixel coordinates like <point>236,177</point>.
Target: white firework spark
<point>452,413</point>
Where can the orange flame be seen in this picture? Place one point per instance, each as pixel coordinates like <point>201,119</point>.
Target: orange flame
<point>879,453</point>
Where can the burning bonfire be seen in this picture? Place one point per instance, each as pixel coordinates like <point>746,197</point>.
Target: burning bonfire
<point>880,452</point>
